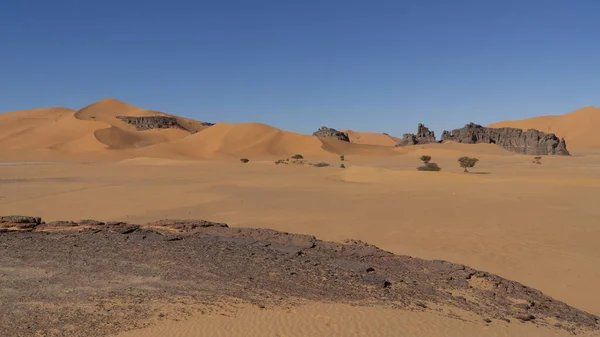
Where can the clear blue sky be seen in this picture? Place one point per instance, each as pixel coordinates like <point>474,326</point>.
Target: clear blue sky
<point>367,65</point>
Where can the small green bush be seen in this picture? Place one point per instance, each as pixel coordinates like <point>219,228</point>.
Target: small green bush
<point>321,164</point>
<point>244,160</point>
<point>342,166</point>
<point>429,167</point>
<point>467,162</point>
<point>297,156</point>
<point>425,159</point>
<point>537,160</point>
<point>342,158</point>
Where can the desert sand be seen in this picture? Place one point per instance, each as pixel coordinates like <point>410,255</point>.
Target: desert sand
<point>535,224</point>
<point>319,319</point>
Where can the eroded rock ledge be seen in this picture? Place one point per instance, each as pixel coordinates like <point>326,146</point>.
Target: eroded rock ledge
<point>530,142</point>
<point>326,132</point>
<point>94,278</point>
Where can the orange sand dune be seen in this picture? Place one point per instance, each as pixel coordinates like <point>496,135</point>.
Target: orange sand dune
<point>53,132</point>
<point>121,135</point>
<point>247,139</point>
<point>578,127</point>
<point>370,138</point>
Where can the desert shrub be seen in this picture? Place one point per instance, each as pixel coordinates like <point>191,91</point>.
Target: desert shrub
<point>297,156</point>
<point>537,160</point>
<point>321,164</point>
<point>425,159</point>
<point>467,162</point>
<point>281,161</point>
<point>244,160</point>
<point>342,166</point>
<point>342,158</point>
<point>429,167</point>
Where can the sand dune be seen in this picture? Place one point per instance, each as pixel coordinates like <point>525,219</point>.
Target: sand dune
<point>577,127</point>
<point>52,133</point>
<point>370,138</point>
<point>92,133</point>
<point>235,140</point>
<point>121,135</point>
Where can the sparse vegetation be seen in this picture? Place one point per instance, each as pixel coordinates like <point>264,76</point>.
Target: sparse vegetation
<point>342,158</point>
<point>244,160</point>
<point>342,166</point>
<point>467,162</point>
<point>297,156</point>
<point>425,159</point>
<point>429,167</point>
<point>322,164</point>
<point>537,160</point>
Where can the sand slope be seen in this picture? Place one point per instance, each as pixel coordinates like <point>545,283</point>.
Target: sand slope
<point>47,133</point>
<point>235,140</point>
<point>91,133</point>
<point>370,138</point>
<point>121,135</point>
<point>577,127</point>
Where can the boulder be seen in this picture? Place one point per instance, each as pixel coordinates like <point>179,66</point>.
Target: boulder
<point>331,133</point>
<point>530,142</point>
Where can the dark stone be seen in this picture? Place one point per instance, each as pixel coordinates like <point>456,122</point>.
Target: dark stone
<point>61,224</point>
<point>487,320</point>
<point>531,142</point>
<point>523,306</point>
<point>89,222</point>
<point>326,132</point>
<point>19,222</point>
<point>525,317</point>
<point>152,122</point>
<point>423,136</point>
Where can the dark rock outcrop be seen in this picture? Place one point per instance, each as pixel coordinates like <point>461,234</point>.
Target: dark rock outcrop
<point>77,276</point>
<point>152,122</point>
<point>423,136</point>
<point>331,133</point>
<point>531,142</point>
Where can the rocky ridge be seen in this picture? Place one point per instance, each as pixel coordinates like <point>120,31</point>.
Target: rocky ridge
<point>331,133</point>
<point>98,278</point>
<point>423,136</point>
<point>531,142</point>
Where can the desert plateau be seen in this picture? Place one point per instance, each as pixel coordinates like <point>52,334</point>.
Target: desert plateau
<point>116,220</point>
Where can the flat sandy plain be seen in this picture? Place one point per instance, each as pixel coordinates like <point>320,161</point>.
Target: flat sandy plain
<point>535,224</point>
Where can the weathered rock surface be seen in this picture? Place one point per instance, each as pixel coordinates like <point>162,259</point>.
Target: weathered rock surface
<point>532,142</point>
<point>96,279</point>
<point>423,136</point>
<point>331,133</point>
<point>152,122</point>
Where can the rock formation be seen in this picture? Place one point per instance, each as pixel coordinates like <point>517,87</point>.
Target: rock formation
<point>531,142</point>
<point>152,122</point>
<point>423,136</point>
<point>331,133</point>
